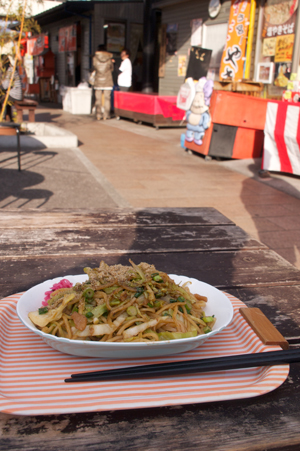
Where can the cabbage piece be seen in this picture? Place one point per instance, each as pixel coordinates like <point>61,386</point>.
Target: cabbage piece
<point>93,330</point>
<point>119,320</point>
<point>132,331</point>
<point>99,310</point>
<point>138,270</point>
<point>51,315</point>
<point>176,335</point>
<point>57,294</point>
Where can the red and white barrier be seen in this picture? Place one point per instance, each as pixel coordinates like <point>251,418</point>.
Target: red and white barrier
<point>282,138</point>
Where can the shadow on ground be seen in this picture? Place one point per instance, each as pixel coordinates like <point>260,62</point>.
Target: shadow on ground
<point>30,158</point>
<point>273,221</point>
<point>46,117</point>
<point>15,188</point>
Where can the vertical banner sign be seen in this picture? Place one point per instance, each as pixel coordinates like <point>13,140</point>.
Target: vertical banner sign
<point>62,44</point>
<point>232,63</point>
<point>67,39</point>
<point>71,38</point>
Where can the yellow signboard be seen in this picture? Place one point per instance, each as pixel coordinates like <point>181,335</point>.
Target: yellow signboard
<point>269,46</point>
<point>181,70</point>
<point>233,58</point>
<point>284,48</point>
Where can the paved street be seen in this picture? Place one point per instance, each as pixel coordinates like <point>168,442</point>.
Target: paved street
<point>121,164</point>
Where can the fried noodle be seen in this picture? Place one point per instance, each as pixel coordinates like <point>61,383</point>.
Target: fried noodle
<point>119,303</point>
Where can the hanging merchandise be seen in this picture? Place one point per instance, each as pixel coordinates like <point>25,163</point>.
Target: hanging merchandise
<point>186,94</point>
<point>38,44</point>
<point>29,67</point>
<point>41,44</point>
<point>232,62</point>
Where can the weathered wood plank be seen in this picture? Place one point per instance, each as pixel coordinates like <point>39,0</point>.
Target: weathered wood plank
<point>270,421</point>
<point>280,304</point>
<point>225,270</point>
<point>227,259</point>
<point>124,240</point>
<point>62,219</point>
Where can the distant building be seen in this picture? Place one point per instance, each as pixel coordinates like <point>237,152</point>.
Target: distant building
<point>76,28</point>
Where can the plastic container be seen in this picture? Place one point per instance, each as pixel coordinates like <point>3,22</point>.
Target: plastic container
<point>77,100</point>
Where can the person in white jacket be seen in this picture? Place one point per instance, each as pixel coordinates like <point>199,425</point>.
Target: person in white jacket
<point>125,75</point>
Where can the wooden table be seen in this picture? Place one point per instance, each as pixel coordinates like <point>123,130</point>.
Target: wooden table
<point>200,243</point>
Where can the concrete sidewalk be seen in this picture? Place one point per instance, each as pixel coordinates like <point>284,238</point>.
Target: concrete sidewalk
<point>120,163</point>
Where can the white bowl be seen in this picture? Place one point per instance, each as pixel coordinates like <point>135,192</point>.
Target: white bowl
<point>218,304</point>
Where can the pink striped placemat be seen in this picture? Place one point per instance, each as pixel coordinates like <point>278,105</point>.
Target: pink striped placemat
<point>32,373</point>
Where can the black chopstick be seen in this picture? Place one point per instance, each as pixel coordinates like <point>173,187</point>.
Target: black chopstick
<point>191,366</point>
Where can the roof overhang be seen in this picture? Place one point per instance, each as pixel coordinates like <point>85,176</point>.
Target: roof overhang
<point>71,8</point>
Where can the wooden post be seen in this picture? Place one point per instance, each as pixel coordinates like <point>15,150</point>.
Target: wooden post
<point>162,53</point>
<point>250,39</point>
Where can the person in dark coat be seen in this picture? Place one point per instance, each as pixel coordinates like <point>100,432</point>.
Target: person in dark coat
<point>103,65</point>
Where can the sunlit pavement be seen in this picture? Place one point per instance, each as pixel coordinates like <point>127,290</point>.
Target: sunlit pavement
<point>119,163</point>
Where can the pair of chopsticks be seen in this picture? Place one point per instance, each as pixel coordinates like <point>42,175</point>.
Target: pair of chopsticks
<point>191,366</point>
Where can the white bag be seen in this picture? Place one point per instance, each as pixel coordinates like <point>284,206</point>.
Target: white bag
<point>92,78</point>
<point>186,94</point>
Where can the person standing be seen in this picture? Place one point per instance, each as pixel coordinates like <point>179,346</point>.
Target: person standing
<point>103,65</point>
<point>125,76</point>
<point>15,92</point>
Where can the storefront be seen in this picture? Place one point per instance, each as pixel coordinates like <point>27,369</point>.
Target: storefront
<point>250,41</point>
<point>254,49</point>
<point>39,64</point>
<point>185,25</point>
<point>277,52</point>
<point>75,30</point>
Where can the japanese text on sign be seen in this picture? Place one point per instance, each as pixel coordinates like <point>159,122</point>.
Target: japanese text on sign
<point>279,18</point>
<point>232,62</point>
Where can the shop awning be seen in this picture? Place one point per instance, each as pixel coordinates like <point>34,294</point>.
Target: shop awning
<point>72,7</point>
